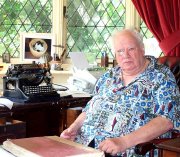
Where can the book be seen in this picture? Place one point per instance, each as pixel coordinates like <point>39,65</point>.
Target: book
<point>49,146</point>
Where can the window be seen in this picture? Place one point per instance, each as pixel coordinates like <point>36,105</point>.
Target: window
<point>22,16</point>
<point>151,44</point>
<point>145,31</point>
<point>90,24</point>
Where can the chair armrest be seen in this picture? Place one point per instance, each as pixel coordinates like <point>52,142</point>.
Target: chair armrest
<point>143,148</point>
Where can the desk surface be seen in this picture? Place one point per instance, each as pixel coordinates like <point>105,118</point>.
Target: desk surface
<point>63,102</point>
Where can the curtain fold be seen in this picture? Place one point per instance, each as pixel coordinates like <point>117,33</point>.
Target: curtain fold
<point>162,18</point>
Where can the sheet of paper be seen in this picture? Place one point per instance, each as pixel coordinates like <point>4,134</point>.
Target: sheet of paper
<point>6,102</point>
<point>79,60</point>
<point>5,153</point>
<point>85,75</point>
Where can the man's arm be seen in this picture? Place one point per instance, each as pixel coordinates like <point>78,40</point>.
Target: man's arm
<point>79,121</point>
<point>71,132</point>
<point>151,130</point>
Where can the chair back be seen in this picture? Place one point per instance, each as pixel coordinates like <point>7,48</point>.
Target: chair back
<point>174,64</point>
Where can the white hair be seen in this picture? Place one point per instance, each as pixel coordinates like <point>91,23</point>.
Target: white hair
<point>133,32</point>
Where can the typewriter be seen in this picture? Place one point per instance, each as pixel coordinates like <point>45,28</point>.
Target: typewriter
<point>28,83</point>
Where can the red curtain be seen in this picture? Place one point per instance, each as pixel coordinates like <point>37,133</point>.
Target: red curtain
<point>162,18</point>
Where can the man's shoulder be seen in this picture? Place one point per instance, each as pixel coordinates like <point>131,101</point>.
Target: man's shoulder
<point>158,67</point>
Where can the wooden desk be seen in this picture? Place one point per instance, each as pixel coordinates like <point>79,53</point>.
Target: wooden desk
<point>44,118</point>
<point>170,148</point>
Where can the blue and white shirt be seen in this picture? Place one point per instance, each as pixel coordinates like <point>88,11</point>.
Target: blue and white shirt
<point>116,110</point>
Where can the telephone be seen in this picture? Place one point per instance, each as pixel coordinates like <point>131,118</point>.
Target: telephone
<point>80,84</point>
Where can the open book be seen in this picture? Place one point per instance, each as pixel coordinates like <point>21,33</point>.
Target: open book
<point>50,146</point>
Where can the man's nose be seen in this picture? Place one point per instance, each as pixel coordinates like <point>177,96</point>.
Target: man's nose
<point>126,52</point>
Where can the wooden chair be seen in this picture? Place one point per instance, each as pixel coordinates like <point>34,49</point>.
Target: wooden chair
<point>142,149</point>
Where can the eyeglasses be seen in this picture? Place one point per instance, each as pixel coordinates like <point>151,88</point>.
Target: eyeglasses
<point>120,52</point>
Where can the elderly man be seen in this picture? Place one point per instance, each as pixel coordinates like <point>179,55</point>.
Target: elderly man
<point>134,102</point>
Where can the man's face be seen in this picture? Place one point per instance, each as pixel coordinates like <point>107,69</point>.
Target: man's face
<point>129,54</point>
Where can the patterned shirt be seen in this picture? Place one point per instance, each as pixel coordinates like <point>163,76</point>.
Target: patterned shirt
<point>116,110</point>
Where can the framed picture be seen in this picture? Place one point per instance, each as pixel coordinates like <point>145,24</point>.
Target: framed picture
<point>35,45</point>
<point>6,58</point>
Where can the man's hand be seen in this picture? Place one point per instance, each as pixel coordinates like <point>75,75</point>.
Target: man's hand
<point>113,145</point>
<point>69,133</point>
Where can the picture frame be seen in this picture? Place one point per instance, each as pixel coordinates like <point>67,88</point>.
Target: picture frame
<point>6,58</point>
<point>35,45</point>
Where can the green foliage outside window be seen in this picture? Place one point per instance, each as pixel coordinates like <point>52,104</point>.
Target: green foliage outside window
<point>22,16</point>
<point>91,23</point>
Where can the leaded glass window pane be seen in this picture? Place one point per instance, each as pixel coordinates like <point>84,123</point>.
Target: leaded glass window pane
<point>90,24</point>
<point>22,16</point>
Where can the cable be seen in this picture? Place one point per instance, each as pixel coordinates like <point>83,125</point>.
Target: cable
<point>62,89</point>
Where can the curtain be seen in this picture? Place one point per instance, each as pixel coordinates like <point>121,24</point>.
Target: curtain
<point>162,18</point>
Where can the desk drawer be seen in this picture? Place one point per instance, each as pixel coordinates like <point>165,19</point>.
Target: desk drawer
<point>10,128</point>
